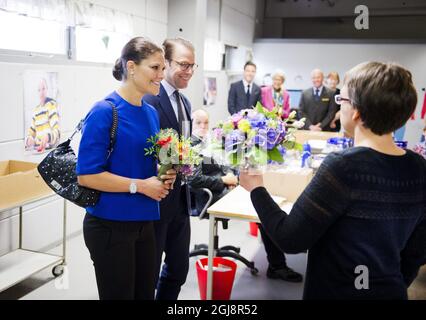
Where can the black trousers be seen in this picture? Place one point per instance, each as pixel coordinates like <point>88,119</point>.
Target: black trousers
<point>172,237</point>
<point>275,256</point>
<point>124,257</point>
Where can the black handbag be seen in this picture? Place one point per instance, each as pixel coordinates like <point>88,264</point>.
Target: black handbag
<point>58,168</point>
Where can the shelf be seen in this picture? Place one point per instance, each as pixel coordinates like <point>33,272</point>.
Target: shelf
<point>21,264</point>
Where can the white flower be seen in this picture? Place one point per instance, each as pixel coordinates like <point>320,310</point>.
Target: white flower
<point>291,138</point>
<point>298,124</point>
<point>292,114</point>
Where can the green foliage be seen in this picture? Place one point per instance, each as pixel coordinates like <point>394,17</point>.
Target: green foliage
<point>275,155</point>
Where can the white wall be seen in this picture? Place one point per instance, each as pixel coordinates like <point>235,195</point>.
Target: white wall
<point>79,87</point>
<point>149,16</point>
<point>238,22</point>
<point>298,58</point>
<point>231,22</point>
<point>187,19</point>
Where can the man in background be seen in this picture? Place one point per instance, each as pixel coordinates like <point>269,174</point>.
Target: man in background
<point>317,104</point>
<point>244,94</point>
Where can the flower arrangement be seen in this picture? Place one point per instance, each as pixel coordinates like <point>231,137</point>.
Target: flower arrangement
<point>173,152</point>
<point>256,137</point>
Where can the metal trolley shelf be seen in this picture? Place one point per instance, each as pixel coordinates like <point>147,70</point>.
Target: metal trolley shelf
<point>22,263</point>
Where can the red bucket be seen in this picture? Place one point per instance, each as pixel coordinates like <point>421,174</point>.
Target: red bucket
<point>253,228</point>
<point>223,277</point>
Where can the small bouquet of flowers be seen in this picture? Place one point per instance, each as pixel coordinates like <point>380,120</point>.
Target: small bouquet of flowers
<point>255,137</point>
<point>173,152</point>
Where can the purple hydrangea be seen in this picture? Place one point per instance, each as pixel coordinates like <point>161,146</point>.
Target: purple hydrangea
<point>186,170</point>
<point>235,138</point>
<point>272,136</point>
<point>257,120</point>
<point>218,133</point>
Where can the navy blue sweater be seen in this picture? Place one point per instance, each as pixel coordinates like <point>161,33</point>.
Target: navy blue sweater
<point>362,208</point>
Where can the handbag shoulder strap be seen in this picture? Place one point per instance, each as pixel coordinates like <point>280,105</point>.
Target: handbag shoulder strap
<point>112,132</point>
<point>114,127</point>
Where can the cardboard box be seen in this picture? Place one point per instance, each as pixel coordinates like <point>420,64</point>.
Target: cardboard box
<point>304,135</point>
<point>20,182</point>
<point>287,182</point>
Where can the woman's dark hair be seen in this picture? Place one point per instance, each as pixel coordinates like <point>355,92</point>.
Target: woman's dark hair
<point>169,46</point>
<point>383,93</point>
<point>136,50</point>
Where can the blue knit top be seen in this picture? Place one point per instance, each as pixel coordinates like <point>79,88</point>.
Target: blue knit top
<point>135,126</point>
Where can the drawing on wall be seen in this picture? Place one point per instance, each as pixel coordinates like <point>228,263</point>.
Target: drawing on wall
<point>210,91</point>
<point>41,111</point>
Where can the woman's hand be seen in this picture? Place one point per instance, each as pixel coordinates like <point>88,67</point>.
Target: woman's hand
<point>169,178</point>
<point>250,180</point>
<point>153,188</point>
<point>230,180</point>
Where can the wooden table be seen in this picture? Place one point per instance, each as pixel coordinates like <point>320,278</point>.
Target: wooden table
<point>234,205</point>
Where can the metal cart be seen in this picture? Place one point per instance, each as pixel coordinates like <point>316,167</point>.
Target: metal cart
<point>23,263</point>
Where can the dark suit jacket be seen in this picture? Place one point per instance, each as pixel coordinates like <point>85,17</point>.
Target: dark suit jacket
<point>321,111</point>
<point>237,99</point>
<point>171,204</point>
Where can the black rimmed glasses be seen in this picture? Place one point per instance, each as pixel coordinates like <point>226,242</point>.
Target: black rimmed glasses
<point>186,66</point>
<point>339,99</point>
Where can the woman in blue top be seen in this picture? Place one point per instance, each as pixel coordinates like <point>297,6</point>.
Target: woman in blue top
<point>118,230</point>
<point>363,216</point>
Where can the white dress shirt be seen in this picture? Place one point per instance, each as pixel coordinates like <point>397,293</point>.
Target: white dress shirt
<point>245,86</point>
<point>320,90</point>
<point>170,93</point>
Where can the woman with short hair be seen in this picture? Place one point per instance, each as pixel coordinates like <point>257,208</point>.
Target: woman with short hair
<point>275,95</point>
<point>362,217</point>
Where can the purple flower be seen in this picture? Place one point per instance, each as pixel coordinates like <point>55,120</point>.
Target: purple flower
<point>218,133</point>
<point>235,138</point>
<point>272,137</point>
<point>257,120</point>
<point>281,128</point>
<point>260,139</point>
<point>186,170</point>
<point>235,118</point>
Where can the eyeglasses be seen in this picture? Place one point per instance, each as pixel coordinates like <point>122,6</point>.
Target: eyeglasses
<point>185,66</point>
<point>339,99</point>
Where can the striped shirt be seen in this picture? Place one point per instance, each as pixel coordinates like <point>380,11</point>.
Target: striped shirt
<point>45,121</point>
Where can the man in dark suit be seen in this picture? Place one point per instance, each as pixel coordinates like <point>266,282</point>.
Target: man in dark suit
<point>244,94</point>
<point>173,229</point>
<point>317,104</point>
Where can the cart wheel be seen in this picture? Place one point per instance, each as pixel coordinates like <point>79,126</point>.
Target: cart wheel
<point>254,271</point>
<point>58,270</point>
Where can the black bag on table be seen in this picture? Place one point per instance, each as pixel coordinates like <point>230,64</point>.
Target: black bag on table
<point>58,168</point>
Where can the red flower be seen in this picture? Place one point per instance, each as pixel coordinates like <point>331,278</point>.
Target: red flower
<point>164,141</point>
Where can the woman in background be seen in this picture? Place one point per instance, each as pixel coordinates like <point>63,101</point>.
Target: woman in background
<point>331,82</point>
<point>276,95</point>
<point>362,217</point>
<point>118,230</point>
